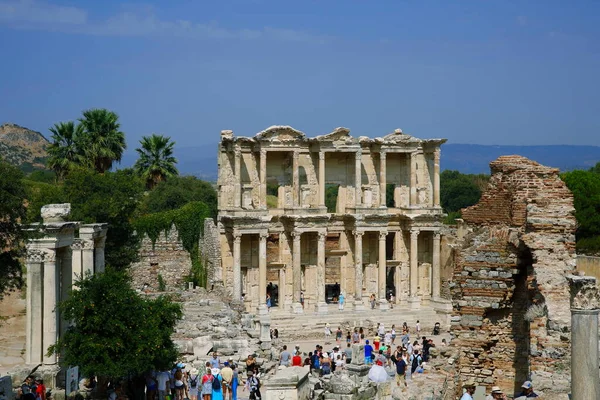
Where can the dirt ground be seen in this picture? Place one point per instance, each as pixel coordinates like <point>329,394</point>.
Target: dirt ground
<point>12,331</point>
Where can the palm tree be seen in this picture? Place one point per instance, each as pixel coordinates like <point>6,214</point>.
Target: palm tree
<point>104,142</point>
<point>156,161</point>
<point>65,151</point>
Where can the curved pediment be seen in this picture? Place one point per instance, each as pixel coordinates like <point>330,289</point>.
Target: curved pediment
<point>337,134</point>
<point>280,133</point>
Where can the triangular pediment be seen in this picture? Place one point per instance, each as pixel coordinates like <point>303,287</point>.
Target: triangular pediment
<point>338,134</point>
<point>280,133</point>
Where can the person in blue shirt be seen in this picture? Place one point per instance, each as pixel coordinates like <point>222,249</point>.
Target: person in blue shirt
<point>527,390</point>
<point>368,353</point>
<point>469,387</point>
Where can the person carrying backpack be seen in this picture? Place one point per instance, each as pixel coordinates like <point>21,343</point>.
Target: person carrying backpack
<point>193,384</point>
<point>253,386</point>
<point>217,392</point>
<point>416,362</point>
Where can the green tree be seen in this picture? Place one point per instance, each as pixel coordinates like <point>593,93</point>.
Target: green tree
<point>103,142</point>
<point>112,197</point>
<point>176,192</point>
<point>12,212</point>
<point>596,168</point>
<point>585,186</point>
<point>39,194</point>
<point>156,161</point>
<point>116,332</point>
<point>66,151</point>
<point>458,191</point>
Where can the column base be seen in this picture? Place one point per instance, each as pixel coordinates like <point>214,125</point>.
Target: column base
<point>359,305</point>
<point>262,309</point>
<point>265,329</point>
<point>297,308</point>
<point>321,308</point>
<point>384,305</point>
<point>414,303</point>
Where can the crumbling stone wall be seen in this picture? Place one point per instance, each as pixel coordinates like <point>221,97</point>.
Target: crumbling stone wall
<point>511,314</point>
<point>210,252</point>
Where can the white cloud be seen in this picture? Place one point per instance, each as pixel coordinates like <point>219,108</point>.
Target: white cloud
<point>38,15</point>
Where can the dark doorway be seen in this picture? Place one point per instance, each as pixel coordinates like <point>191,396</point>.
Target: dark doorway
<point>273,291</point>
<point>332,293</point>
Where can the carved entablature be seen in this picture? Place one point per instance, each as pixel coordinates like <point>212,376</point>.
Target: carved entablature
<point>585,294</point>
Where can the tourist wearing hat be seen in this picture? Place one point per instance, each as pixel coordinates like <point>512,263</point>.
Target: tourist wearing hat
<point>497,394</point>
<point>469,387</point>
<point>527,390</point>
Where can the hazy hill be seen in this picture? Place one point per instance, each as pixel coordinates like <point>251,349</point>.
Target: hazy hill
<point>466,158</point>
<point>23,147</point>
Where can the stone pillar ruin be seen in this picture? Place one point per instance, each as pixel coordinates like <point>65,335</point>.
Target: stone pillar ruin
<point>237,269</point>
<point>358,178</point>
<point>263,178</point>
<point>54,262</point>
<point>321,306</point>
<point>413,179</point>
<point>296,273</point>
<point>321,179</point>
<point>382,179</point>
<point>436,178</point>
<point>237,190</point>
<point>414,268</point>
<point>435,268</point>
<point>295,180</point>
<point>382,272</point>
<point>358,278</point>
<point>585,308</point>
<point>262,273</point>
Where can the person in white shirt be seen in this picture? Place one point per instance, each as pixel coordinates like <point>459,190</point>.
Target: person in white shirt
<point>469,387</point>
<point>162,380</point>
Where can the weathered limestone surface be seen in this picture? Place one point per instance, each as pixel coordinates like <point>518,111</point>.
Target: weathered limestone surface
<point>510,294</point>
<point>289,384</point>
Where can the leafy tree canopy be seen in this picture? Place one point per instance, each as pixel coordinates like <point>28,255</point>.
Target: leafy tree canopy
<point>585,186</point>
<point>596,168</point>
<point>112,197</point>
<point>458,190</point>
<point>177,192</point>
<point>116,331</point>
<point>103,142</point>
<point>12,212</point>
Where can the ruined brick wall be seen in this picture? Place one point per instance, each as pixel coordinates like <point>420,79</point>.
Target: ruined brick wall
<point>511,314</point>
<point>167,258</point>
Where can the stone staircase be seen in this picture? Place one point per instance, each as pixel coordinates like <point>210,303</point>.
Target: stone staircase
<point>312,325</point>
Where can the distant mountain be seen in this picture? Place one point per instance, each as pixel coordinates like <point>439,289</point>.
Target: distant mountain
<point>475,158</point>
<point>23,147</point>
<point>467,158</point>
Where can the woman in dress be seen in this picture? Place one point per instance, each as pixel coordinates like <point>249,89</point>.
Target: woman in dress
<point>217,394</point>
<point>235,381</point>
<point>193,384</point>
<point>207,381</point>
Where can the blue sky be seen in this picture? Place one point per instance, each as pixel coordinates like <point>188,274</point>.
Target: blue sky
<point>485,72</point>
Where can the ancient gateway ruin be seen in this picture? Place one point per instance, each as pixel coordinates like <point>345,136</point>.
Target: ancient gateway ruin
<point>380,234</point>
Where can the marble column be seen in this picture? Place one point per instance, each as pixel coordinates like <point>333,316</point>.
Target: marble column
<point>295,179</point>
<point>382,272</point>
<point>51,297</point>
<point>237,268</point>
<point>87,257</point>
<point>414,268</point>
<point>321,179</point>
<point>382,179</point>
<point>237,198</point>
<point>585,307</point>
<point>263,178</point>
<point>76,266</point>
<point>436,178</point>
<point>359,305</point>
<point>435,267</point>
<point>358,178</point>
<point>66,280</point>
<point>296,273</point>
<point>413,179</point>
<point>262,273</point>
<point>99,262</point>
<point>34,324</point>
<point>321,306</point>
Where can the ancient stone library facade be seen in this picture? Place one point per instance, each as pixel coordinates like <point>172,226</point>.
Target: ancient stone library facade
<point>380,235</point>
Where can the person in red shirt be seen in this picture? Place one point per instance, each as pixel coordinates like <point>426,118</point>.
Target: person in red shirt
<point>40,391</point>
<point>297,360</point>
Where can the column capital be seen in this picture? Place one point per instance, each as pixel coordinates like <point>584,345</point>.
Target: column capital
<point>585,294</point>
<point>100,242</point>
<point>263,235</point>
<point>414,233</point>
<point>296,154</point>
<point>413,155</point>
<point>296,235</point>
<point>322,236</point>
<point>87,244</point>
<point>437,235</point>
<point>436,153</point>
<point>35,255</point>
<point>263,152</point>
<point>321,155</point>
<point>237,237</point>
<point>237,150</point>
<point>382,235</point>
<point>358,233</point>
<point>382,154</point>
<point>49,255</point>
<point>358,154</point>
<point>77,244</point>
